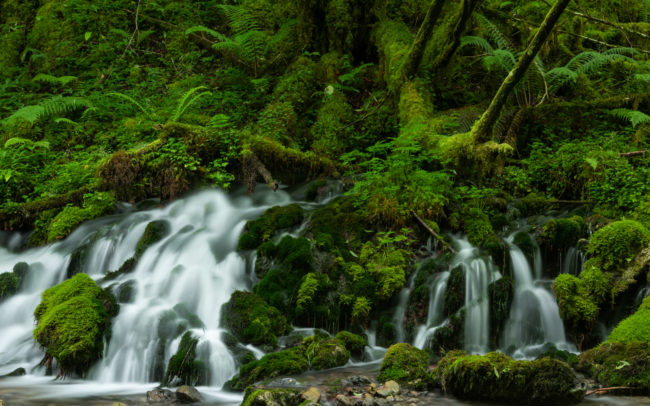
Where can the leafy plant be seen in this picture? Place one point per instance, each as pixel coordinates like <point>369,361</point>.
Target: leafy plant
<point>635,117</point>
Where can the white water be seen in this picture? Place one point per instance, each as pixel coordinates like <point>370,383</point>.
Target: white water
<point>534,316</point>
<point>435,315</point>
<point>195,265</point>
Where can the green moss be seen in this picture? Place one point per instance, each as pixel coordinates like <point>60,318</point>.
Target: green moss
<point>325,353</point>
<point>274,219</point>
<point>9,283</point>
<point>73,320</point>
<point>154,232</point>
<point>533,204</point>
<point>337,227</point>
<point>264,397</point>
<point>127,267</point>
<point>184,368</point>
<point>95,205</point>
<point>455,292</point>
<point>614,246</point>
<point>479,229</point>
<point>287,362</point>
<point>331,132</point>
<point>501,294</point>
<point>252,320</point>
<point>525,243</point>
<point>618,364</point>
<point>634,328</point>
<point>577,307</point>
<point>495,377</point>
<point>405,364</point>
<point>564,233</point>
<point>353,342</point>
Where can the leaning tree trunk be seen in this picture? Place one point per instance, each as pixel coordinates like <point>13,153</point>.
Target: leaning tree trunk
<point>457,31</point>
<point>422,37</point>
<point>484,128</point>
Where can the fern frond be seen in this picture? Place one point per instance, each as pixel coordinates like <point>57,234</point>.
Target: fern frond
<point>240,19</point>
<point>200,28</point>
<point>252,45</point>
<point>59,106</point>
<point>189,98</point>
<point>635,117</point>
<point>644,13</point>
<point>494,33</point>
<point>17,141</point>
<point>219,121</point>
<point>642,77</point>
<point>621,51</point>
<point>27,113</point>
<point>63,120</point>
<point>501,59</point>
<point>477,42</point>
<point>560,77</point>
<point>285,31</point>
<point>54,80</point>
<point>130,100</point>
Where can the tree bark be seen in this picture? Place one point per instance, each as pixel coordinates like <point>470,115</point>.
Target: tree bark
<point>484,128</point>
<point>467,7</point>
<point>422,37</point>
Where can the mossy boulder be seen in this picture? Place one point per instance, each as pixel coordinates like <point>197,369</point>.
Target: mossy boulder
<point>154,232</point>
<point>634,328</point>
<point>287,362</point>
<point>252,320</point>
<point>615,245</point>
<point>560,234</point>
<point>95,205</point>
<point>455,292</point>
<point>73,321</point>
<point>500,293</point>
<point>618,364</point>
<point>577,307</point>
<point>479,230</point>
<point>533,203</point>
<point>127,267</point>
<point>406,365</point>
<point>325,353</point>
<point>10,281</point>
<point>353,342</point>
<point>276,218</point>
<point>183,367</point>
<point>275,397</point>
<point>495,377</point>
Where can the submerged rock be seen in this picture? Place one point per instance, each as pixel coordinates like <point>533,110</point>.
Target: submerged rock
<point>188,394</point>
<point>160,395</point>
<point>311,395</point>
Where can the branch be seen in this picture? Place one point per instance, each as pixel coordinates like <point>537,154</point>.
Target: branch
<point>634,153</point>
<point>602,391</point>
<point>433,233</point>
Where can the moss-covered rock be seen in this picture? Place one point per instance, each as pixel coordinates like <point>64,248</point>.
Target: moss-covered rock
<point>615,245</point>
<point>479,229</point>
<point>252,320</point>
<point>9,283</point>
<point>501,294</point>
<point>127,267</point>
<point>287,362</point>
<point>577,307</point>
<point>94,205</point>
<point>276,218</point>
<point>153,233</point>
<point>634,328</point>
<point>455,292</point>
<point>184,368</point>
<point>560,234</point>
<point>275,397</point>
<point>73,320</point>
<point>618,364</point>
<point>495,377</point>
<point>533,203</point>
<point>325,353</point>
<point>406,365</point>
<point>353,342</point>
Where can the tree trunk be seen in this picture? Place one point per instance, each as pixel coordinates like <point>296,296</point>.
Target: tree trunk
<point>422,37</point>
<point>466,9</point>
<point>484,128</point>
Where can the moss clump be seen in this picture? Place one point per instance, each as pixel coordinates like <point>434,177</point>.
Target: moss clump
<point>127,267</point>
<point>533,204</point>
<point>479,230</point>
<point>276,218</point>
<point>524,241</point>
<point>405,364</point>
<point>73,319</point>
<point>153,233</point>
<point>353,342</point>
<point>455,292</point>
<point>184,368</point>
<point>615,245</point>
<point>618,364</point>
<point>634,328</point>
<point>286,362</point>
<point>337,228</point>
<point>264,397</point>
<point>501,294</point>
<point>252,320</point>
<point>577,307</point>
<point>325,353</point>
<point>9,283</point>
<point>495,377</point>
<point>94,205</point>
<point>561,234</point>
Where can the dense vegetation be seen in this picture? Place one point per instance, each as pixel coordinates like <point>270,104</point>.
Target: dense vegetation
<point>464,116</point>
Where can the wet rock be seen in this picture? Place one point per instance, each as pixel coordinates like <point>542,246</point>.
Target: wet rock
<point>2,403</point>
<point>312,395</point>
<point>16,372</point>
<point>188,394</point>
<point>272,397</point>
<point>283,383</point>
<point>160,395</point>
<point>357,380</point>
<point>388,389</point>
<point>342,400</point>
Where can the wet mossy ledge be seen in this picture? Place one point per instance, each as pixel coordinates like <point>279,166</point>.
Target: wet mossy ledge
<point>72,322</point>
<point>10,282</point>
<point>316,352</point>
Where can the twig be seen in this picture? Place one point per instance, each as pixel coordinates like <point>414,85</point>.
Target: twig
<point>433,233</point>
<point>602,391</point>
<point>634,153</point>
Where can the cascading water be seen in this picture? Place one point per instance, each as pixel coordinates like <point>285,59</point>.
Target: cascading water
<point>435,315</point>
<point>573,261</point>
<point>534,316</point>
<point>400,310</point>
<point>195,266</point>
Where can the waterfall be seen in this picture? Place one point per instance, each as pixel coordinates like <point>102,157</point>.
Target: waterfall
<point>534,316</point>
<point>573,262</point>
<point>400,310</point>
<point>195,266</point>
<point>435,315</point>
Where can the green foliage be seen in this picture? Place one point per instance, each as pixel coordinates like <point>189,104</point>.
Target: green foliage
<point>615,245</point>
<point>495,377</point>
<point>252,320</point>
<point>49,109</point>
<point>274,219</point>
<point>406,365</point>
<point>353,342</point>
<point>73,320</point>
<point>635,117</point>
<point>618,364</point>
<point>564,232</point>
<point>634,328</point>
<point>325,353</point>
<point>184,368</point>
<point>95,205</point>
<point>577,306</point>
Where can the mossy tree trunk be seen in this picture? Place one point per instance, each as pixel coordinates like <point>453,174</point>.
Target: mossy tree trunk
<point>456,32</point>
<point>422,37</point>
<point>483,129</point>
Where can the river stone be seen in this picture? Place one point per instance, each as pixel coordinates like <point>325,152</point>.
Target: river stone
<point>388,389</point>
<point>312,395</point>
<point>272,397</point>
<point>342,400</point>
<point>16,372</point>
<point>188,394</point>
<point>160,395</point>
<point>2,403</point>
<point>357,380</point>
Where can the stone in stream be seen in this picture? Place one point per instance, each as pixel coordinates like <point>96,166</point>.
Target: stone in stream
<point>390,388</point>
<point>272,397</point>
<point>15,372</point>
<point>188,394</point>
<point>312,395</point>
<point>160,395</point>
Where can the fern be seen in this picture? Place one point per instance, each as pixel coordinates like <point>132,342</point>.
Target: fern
<point>494,33</point>
<point>240,20</point>
<point>52,108</point>
<point>189,98</point>
<point>644,12</point>
<point>478,42</point>
<point>635,117</point>
<point>200,28</point>
<point>54,80</point>
<point>132,101</point>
